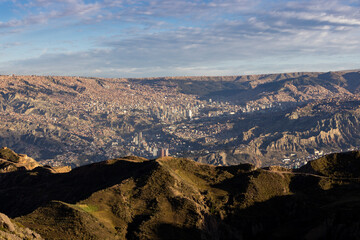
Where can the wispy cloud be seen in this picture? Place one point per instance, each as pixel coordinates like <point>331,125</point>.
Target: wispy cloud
<point>41,12</point>
<point>163,37</point>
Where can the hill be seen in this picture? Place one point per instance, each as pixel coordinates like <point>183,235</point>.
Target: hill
<point>177,198</point>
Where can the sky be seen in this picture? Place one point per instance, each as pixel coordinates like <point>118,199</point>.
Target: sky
<point>155,38</point>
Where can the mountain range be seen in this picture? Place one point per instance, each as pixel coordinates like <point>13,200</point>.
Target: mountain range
<point>177,198</point>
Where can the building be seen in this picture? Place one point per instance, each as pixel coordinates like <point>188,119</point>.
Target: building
<point>164,152</point>
<point>189,114</point>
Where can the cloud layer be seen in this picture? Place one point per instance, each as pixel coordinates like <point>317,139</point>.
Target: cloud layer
<point>127,38</point>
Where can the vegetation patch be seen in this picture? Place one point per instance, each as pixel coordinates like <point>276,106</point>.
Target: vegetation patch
<point>88,208</point>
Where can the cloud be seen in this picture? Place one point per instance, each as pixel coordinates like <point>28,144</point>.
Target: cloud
<point>197,12</point>
<point>320,18</point>
<point>42,11</point>
<point>224,48</point>
<point>193,37</point>
<point>151,11</point>
<point>9,45</point>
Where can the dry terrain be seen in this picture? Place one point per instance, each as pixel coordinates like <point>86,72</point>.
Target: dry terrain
<point>284,119</point>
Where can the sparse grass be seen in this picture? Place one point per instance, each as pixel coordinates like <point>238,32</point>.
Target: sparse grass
<point>88,208</point>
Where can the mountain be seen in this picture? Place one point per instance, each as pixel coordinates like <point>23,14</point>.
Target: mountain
<point>177,198</point>
<point>259,119</point>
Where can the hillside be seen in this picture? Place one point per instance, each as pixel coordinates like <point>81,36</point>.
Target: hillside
<point>177,198</point>
<point>259,119</point>
<point>15,231</point>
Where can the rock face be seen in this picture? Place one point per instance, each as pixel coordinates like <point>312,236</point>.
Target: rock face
<point>177,198</point>
<point>6,223</point>
<point>11,161</point>
<point>14,231</point>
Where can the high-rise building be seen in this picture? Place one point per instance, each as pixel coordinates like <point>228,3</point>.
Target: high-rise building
<point>136,139</point>
<point>189,114</point>
<point>164,152</point>
<point>155,152</point>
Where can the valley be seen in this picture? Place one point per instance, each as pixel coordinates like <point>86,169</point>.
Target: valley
<point>275,119</point>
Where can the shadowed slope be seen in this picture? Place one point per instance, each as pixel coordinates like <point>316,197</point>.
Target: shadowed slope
<point>346,165</point>
<point>39,186</point>
<point>176,198</point>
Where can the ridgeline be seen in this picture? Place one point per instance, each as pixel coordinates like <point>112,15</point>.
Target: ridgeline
<point>177,198</point>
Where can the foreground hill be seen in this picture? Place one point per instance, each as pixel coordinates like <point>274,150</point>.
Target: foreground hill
<point>176,198</point>
<point>259,118</point>
<point>15,231</point>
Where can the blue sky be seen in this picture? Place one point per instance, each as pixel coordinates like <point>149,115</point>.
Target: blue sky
<point>129,38</point>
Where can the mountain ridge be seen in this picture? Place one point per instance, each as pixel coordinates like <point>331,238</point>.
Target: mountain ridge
<point>177,198</point>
